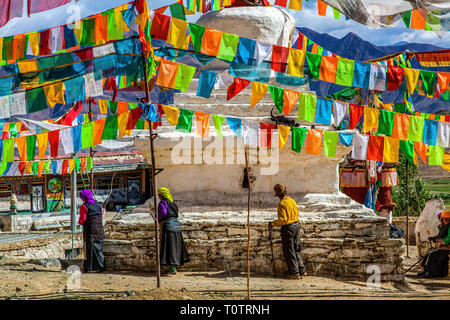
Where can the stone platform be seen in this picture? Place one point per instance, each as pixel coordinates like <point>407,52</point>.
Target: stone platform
<point>339,239</point>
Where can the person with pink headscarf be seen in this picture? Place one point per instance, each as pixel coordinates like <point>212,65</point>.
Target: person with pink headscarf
<point>93,234</point>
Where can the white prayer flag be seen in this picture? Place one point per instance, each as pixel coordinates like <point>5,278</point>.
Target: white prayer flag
<point>93,88</point>
<point>250,132</point>
<point>17,104</point>
<point>103,50</point>
<point>360,145</point>
<point>223,81</point>
<point>377,80</point>
<point>339,111</point>
<point>443,135</point>
<point>65,138</point>
<point>4,107</point>
<point>262,51</point>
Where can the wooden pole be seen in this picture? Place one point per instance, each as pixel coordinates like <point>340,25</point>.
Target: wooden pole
<point>248,221</point>
<point>407,208</point>
<point>90,150</point>
<point>152,151</point>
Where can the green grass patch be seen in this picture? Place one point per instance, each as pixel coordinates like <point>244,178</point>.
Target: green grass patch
<point>435,188</point>
<point>440,182</point>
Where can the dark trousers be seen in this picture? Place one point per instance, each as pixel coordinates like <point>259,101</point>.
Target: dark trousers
<point>436,263</point>
<point>291,248</point>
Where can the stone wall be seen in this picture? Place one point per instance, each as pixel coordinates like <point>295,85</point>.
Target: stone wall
<point>47,247</point>
<point>26,222</point>
<point>333,245</point>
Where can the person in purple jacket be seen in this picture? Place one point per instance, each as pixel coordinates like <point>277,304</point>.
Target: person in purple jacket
<point>173,250</point>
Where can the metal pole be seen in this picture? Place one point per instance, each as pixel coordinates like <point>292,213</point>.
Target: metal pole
<point>248,222</point>
<point>90,149</point>
<point>407,208</point>
<point>152,151</point>
<point>73,206</point>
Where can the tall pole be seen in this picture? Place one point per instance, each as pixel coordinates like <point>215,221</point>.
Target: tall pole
<point>90,149</point>
<point>248,222</point>
<point>407,208</point>
<point>73,206</point>
<point>152,151</point>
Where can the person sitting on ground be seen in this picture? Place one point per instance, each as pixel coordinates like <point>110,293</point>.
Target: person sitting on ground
<point>435,262</point>
<point>173,250</point>
<point>288,219</point>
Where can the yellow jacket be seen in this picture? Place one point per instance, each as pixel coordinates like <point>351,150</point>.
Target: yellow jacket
<point>287,212</point>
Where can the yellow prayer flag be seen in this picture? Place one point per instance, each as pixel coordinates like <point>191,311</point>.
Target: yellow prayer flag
<point>1,49</point>
<point>187,40</point>
<point>42,139</point>
<point>177,32</point>
<point>391,149</point>
<point>296,62</point>
<point>55,94</point>
<point>41,166</point>
<point>258,91</point>
<point>21,143</point>
<point>295,4</point>
<point>71,165</point>
<point>370,119</point>
<point>122,123</point>
<point>33,42</point>
<point>103,105</point>
<point>27,66</point>
<point>226,3</point>
<point>411,78</point>
<point>78,30</point>
<point>283,135</point>
<point>171,114</point>
<point>28,167</point>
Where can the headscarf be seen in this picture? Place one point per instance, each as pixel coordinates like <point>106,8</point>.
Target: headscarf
<point>86,196</point>
<point>165,193</point>
<point>445,215</point>
<point>279,189</point>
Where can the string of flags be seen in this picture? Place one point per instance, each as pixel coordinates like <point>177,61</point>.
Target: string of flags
<point>37,168</point>
<point>364,147</point>
<point>294,62</point>
<point>312,108</point>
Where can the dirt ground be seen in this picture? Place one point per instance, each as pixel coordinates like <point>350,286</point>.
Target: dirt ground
<point>21,279</point>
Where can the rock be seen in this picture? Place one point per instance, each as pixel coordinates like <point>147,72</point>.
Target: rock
<point>18,289</point>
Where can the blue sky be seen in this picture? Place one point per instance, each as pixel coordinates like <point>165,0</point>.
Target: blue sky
<point>308,17</point>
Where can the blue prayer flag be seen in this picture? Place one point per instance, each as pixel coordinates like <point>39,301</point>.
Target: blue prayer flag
<point>76,138</point>
<point>75,90</point>
<point>346,138</point>
<point>323,111</point>
<point>361,75</point>
<point>235,124</point>
<point>430,132</point>
<point>245,51</point>
<point>206,83</point>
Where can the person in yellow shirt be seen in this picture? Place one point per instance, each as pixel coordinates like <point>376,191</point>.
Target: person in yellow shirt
<point>290,230</point>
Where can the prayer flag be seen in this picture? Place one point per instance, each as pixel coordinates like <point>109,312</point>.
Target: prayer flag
<point>99,126</point>
<point>391,149</point>
<point>262,51</point>
<point>394,77</point>
<point>42,139</point>
<point>36,100</point>
<point>167,75</point>
<point>296,62</point>
<point>206,83</point>
<point>245,51</point>
<point>228,46</point>
<point>344,72</point>
<point>385,122</point>
<point>202,124</point>
<point>339,111</point>
<point>307,107</point>
<point>258,91</point>
<point>436,156</point>
<point>235,124</point>
<point>184,77</point>
<point>66,139</point>
<point>328,68</point>
<point>421,150</point>
<point>185,121</point>
<point>360,146</point>
<point>266,130</point>
<point>87,135</point>
<point>283,135</point>
<point>177,32</point>
<point>122,124</point>
<point>211,42</point>
<point>31,147</point>
<point>75,90</point>
<point>443,135</point>
<point>295,4</point>
<point>415,130</point>
<point>277,97</point>
<point>298,137</point>
<point>237,86</point>
<point>407,148</point>
<point>428,78</point>
<point>250,132</point>
<point>314,61</point>
<point>330,139</point>
<point>323,111</point>
<point>172,114</point>
<point>160,27</point>
<point>443,80</point>
<point>401,126</point>
<point>346,138</point>
<point>361,75</point>
<point>279,58</point>
<point>313,141</point>
<point>21,143</point>
<point>290,99</point>
<point>53,140</point>
<point>430,132</point>
<point>218,122</point>
<point>377,80</point>
<point>196,31</point>
<point>356,112</point>
<point>55,93</point>
<point>411,78</point>
<point>370,119</point>
<point>111,128</point>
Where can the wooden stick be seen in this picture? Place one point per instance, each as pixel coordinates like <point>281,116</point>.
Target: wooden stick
<point>248,221</point>
<point>271,249</point>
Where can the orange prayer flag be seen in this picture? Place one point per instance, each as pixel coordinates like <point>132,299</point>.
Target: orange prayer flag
<point>375,148</point>
<point>401,126</point>
<point>28,167</point>
<point>122,107</point>
<point>83,164</point>
<point>41,166</point>
<point>202,124</point>
<point>417,20</point>
<point>21,143</point>
<point>167,74</point>
<point>122,124</point>
<point>42,139</point>
<point>322,8</point>
<point>421,150</point>
<point>328,68</point>
<point>315,48</point>
<point>55,94</point>
<point>101,28</point>
<point>290,98</point>
<point>99,125</point>
<point>443,80</point>
<point>313,141</point>
<point>211,42</point>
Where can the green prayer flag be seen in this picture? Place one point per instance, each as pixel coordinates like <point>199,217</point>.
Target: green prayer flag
<point>344,72</point>
<point>89,164</point>
<point>400,107</point>
<point>228,46</point>
<point>47,166</point>
<point>31,147</point>
<point>8,150</point>
<point>112,105</point>
<point>13,129</point>
<point>115,26</point>
<point>406,18</point>
<point>88,34</point>
<point>310,42</point>
<point>314,61</point>
<point>407,148</point>
<point>278,97</point>
<point>319,50</point>
<point>132,105</point>
<point>196,32</point>
<point>330,139</point>
<point>385,122</point>
<point>185,120</point>
<point>184,76</point>
<point>3,167</point>
<point>35,168</point>
<point>87,132</point>
<point>435,156</point>
<point>307,107</point>
<point>8,48</point>
<point>77,164</point>
<point>111,128</point>
<point>428,78</point>
<point>177,11</point>
<point>416,125</point>
<point>336,13</point>
<point>122,83</point>
<point>218,122</point>
<point>36,100</point>
<point>140,125</point>
<point>298,137</point>
<point>51,62</point>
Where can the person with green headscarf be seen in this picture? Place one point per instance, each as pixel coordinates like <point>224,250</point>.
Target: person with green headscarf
<point>173,250</point>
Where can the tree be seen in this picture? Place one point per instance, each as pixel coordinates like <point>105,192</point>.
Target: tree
<point>418,190</point>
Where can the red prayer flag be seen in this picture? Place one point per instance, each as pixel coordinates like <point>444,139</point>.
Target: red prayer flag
<point>133,118</point>
<point>10,9</point>
<point>356,112</point>
<point>22,168</point>
<point>375,148</point>
<point>44,47</point>
<point>266,134</point>
<point>35,6</point>
<point>282,3</point>
<point>111,84</point>
<point>53,140</point>
<point>300,41</point>
<point>237,86</point>
<point>160,27</point>
<point>65,166</point>
<point>279,58</point>
<point>394,77</point>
